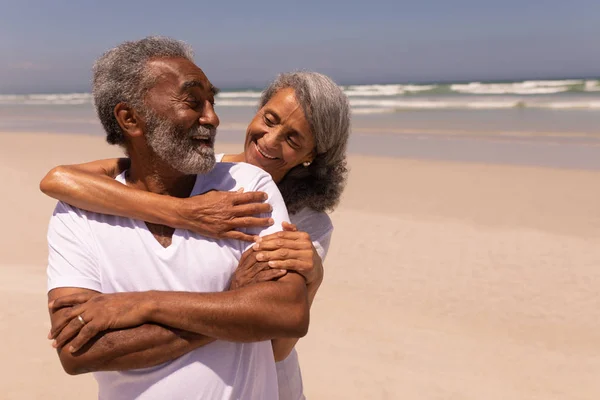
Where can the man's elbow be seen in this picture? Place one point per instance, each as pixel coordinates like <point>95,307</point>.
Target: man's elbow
<point>298,318</point>
<point>73,365</point>
<point>300,328</point>
<point>72,368</point>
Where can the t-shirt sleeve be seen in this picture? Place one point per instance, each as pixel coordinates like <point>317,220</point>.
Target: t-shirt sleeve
<point>71,259</point>
<point>264,183</point>
<point>318,225</point>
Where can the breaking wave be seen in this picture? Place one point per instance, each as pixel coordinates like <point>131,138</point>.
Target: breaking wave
<point>566,94</point>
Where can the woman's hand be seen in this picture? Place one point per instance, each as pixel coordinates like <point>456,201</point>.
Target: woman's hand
<point>219,214</point>
<point>291,250</point>
<point>82,316</point>
<point>251,271</point>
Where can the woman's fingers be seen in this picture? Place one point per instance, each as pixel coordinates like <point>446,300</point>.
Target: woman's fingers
<point>291,265</point>
<point>284,254</point>
<point>237,235</point>
<point>289,227</point>
<point>250,222</point>
<point>274,244</point>
<point>248,197</point>
<point>245,210</point>
<point>303,236</point>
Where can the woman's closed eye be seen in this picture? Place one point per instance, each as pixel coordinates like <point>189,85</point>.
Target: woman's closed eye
<point>292,142</point>
<point>268,120</point>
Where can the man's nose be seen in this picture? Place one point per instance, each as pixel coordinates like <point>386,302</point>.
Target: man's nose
<point>209,116</point>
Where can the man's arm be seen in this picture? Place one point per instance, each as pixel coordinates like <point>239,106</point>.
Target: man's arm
<point>139,347</point>
<point>262,311</point>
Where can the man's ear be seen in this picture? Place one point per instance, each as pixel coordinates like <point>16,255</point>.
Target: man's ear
<point>129,120</point>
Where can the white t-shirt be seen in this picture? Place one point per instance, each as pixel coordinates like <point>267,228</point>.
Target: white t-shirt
<point>116,254</point>
<point>318,225</point>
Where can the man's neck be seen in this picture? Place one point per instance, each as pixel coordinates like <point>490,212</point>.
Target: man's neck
<point>157,177</point>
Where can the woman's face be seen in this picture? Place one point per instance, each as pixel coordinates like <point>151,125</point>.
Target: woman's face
<point>279,137</point>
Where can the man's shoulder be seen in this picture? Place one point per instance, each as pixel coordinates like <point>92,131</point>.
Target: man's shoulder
<point>227,176</point>
<point>67,215</point>
<point>240,169</point>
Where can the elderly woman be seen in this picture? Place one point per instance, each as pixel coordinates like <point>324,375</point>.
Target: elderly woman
<point>299,136</point>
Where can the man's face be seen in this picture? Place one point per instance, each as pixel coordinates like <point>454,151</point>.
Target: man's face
<point>181,122</point>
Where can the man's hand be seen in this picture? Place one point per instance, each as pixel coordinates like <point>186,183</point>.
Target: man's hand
<point>82,316</point>
<point>218,214</point>
<point>250,271</point>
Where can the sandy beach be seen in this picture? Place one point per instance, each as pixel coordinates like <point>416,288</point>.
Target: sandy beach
<point>445,280</point>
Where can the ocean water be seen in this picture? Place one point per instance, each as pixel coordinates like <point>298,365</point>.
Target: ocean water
<point>543,122</point>
<point>567,94</point>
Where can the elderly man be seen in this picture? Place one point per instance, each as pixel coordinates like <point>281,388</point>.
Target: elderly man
<point>156,103</point>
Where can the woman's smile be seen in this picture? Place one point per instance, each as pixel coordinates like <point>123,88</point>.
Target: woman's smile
<point>263,152</point>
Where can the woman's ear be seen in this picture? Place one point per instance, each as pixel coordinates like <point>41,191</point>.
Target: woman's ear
<point>311,156</point>
<point>308,160</point>
<point>128,119</point>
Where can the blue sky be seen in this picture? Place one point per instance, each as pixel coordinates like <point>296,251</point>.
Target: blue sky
<point>50,46</point>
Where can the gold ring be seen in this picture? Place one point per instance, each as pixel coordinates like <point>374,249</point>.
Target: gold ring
<point>80,318</point>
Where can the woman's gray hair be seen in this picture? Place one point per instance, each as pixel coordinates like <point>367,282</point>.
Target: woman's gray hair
<point>320,185</point>
<point>121,76</point>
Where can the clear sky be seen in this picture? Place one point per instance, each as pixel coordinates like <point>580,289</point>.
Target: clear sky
<point>49,46</point>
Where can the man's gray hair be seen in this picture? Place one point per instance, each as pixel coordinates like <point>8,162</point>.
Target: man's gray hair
<point>121,76</point>
<point>327,111</point>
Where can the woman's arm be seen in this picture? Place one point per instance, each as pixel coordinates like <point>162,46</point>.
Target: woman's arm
<point>91,186</point>
<point>282,347</point>
<point>270,257</point>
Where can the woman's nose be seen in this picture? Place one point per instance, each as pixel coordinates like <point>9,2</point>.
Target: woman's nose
<point>271,138</point>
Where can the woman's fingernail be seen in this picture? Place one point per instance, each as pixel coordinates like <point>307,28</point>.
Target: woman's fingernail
<point>54,344</point>
<point>271,263</point>
<point>258,239</point>
<point>51,304</point>
<point>260,256</point>
<point>256,246</point>
<point>71,349</point>
<point>271,221</point>
<point>50,335</point>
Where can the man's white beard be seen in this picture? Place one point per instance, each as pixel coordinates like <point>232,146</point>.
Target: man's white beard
<point>177,148</point>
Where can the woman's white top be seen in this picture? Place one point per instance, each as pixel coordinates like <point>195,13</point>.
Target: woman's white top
<point>318,225</point>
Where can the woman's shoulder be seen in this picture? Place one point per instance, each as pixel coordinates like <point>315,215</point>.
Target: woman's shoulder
<point>316,223</point>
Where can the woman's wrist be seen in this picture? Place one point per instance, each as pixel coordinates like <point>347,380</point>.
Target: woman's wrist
<point>168,210</point>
